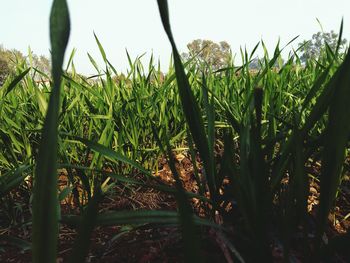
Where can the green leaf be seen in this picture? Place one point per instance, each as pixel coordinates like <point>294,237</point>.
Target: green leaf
<point>16,80</point>
<point>70,60</point>
<point>102,51</point>
<point>336,139</point>
<point>45,213</point>
<point>13,179</point>
<point>112,154</point>
<point>189,104</point>
<point>195,123</point>
<point>136,217</point>
<point>64,193</point>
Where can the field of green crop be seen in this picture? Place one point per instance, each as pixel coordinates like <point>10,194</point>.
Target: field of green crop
<point>261,145</point>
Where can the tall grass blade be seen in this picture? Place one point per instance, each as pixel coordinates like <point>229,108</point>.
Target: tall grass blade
<point>340,38</point>
<point>190,106</point>
<point>102,51</point>
<point>337,134</point>
<point>45,201</point>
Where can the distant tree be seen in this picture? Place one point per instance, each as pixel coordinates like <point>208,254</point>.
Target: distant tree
<point>7,64</point>
<point>42,63</point>
<point>257,63</point>
<point>121,78</point>
<point>9,59</point>
<point>311,49</point>
<point>216,55</point>
<point>4,70</point>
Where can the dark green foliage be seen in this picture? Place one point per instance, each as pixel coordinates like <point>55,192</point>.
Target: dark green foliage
<point>269,124</point>
<point>45,201</point>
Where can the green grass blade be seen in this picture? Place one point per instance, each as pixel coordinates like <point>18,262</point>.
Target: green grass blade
<point>340,38</point>
<point>45,217</point>
<point>113,155</point>
<point>102,51</point>
<point>189,104</point>
<point>316,87</point>
<point>337,134</point>
<point>210,111</point>
<point>317,111</point>
<point>13,179</point>
<point>93,62</point>
<point>70,60</point>
<point>16,80</point>
<point>136,217</point>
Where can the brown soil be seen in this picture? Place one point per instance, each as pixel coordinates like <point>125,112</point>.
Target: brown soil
<point>154,243</point>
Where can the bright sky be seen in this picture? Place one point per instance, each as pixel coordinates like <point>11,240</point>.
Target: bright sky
<point>135,25</point>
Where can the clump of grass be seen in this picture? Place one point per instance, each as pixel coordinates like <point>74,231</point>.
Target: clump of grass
<point>107,129</point>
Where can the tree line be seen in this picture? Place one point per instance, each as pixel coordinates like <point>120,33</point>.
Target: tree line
<point>218,55</point>
<point>10,59</point>
<point>202,52</point>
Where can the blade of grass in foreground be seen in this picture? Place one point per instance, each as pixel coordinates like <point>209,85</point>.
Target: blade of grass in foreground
<point>45,217</point>
<point>189,103</point>
<point>337,134</point>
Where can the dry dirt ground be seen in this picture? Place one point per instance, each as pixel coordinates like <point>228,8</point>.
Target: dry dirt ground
<point>153,243</point>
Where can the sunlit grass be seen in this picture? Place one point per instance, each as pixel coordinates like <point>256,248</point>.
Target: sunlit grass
<point>273,119</point>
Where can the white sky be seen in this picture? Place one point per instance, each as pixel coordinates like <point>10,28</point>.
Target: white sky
<point>135,25</point>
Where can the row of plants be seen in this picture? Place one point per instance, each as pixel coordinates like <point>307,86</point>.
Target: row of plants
<point>272,124</point>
